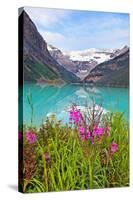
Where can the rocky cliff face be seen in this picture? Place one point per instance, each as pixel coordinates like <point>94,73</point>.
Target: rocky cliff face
<point>114,72</point>
<point>39,65</point>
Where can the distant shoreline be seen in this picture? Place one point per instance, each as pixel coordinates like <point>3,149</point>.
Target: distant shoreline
<point>77,84</point>
<point>100,85</point>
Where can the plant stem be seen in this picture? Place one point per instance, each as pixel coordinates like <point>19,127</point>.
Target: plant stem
<point>90,173</point>
<point>25,185</point>
<point>45,174</point>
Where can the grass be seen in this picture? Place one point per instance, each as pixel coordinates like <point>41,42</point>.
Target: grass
<point>73,164</point>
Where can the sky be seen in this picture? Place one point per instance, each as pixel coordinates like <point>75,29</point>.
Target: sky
<point>78,30</point>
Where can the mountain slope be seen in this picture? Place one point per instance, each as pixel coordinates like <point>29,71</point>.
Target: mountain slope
<point>39,65</point>
<point>61,59</point>
<point>114,72</point>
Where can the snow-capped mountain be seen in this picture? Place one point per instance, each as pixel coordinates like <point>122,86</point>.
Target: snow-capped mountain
<point>79,68</point>
<point>82,62</point>
<point>92,54</point>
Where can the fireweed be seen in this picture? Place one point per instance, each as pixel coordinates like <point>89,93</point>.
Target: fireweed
<point>89,152</point>
<point>30,136</point>
<point>88,129</point>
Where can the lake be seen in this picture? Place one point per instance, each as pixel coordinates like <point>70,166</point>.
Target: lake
<point>57,99</point>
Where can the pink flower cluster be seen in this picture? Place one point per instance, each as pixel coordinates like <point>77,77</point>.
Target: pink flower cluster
<point>98,131</point>
<point>75,116</point>
<point>85,135</point>
<point>31,136</point>
<point>84,129</point>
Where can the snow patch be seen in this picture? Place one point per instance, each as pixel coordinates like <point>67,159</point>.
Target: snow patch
<point>98,55</point>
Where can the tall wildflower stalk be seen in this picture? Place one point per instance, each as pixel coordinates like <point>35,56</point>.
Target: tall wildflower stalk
<point>29,97</point>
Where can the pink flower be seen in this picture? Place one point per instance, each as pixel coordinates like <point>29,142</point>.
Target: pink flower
<point>98,131</point>
<point>75,116</point>
<point>114,147</point>
<point>101,131</point>
<point>81,130</point>
<point>31,136</point>
<point>88,134</point>
<point>95,131</point>
<point>84,135</point>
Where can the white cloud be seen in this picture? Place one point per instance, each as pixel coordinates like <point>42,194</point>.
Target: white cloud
<point>46,17</point>
<point>118,39</point>
<point>53,38</point>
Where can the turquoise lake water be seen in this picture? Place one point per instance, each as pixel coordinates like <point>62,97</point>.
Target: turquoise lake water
<point>57,99</point>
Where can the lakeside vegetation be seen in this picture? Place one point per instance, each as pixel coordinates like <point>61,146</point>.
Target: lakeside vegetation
<point>92,151</point>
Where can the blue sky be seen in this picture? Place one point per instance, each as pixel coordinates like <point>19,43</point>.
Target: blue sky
<point>78,30</point>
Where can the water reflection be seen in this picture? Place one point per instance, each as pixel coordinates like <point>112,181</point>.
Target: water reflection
<point>57,99</point>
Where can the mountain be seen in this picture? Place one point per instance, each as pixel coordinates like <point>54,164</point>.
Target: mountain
<point>114,72</point>
<point>39,65</point>
<point>79,67</point>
